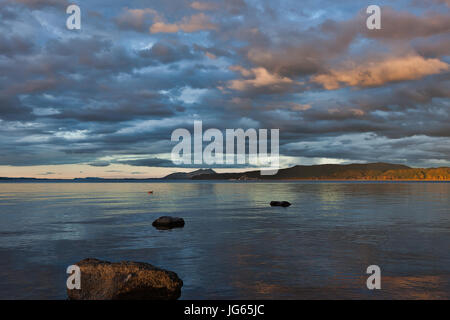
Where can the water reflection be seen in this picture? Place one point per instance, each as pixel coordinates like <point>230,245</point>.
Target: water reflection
<point>234,245</point>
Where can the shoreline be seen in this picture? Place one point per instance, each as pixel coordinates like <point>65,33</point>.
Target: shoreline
<point>18,180</point>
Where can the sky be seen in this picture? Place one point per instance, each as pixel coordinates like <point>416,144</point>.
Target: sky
<point>103,101</point>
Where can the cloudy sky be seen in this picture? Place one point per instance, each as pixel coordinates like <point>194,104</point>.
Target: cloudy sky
<point>104,100</point>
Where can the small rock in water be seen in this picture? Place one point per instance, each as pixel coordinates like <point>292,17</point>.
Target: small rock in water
<point>280,204</point>
<point>125,280</point>
<point>164,223</point>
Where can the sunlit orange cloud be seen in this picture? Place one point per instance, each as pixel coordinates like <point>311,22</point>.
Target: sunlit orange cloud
<point>190,24</point>
<point>198,5</point>
<point>378,73</point>
<point>261,78</point>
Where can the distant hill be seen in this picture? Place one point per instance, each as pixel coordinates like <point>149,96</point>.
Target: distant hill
<point>368,171</point>
<point>189,175</point>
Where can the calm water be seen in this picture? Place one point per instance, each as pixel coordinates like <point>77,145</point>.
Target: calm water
<point>234,246</point>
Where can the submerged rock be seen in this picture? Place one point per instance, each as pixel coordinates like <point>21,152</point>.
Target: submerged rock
<point>125,280</point>
<point>280,204</point>
<point>164,223</point>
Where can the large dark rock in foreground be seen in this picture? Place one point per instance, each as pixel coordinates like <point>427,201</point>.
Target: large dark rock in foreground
<point>125,280</point>
<point>280,204</point>
<point>164,223</point>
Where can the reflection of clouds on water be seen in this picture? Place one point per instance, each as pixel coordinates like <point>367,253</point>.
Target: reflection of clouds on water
<point>417,287</point>
<point>234,245</point>
<point>331,197</point>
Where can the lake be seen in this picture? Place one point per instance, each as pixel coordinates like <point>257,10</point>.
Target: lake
<point>234,245</point>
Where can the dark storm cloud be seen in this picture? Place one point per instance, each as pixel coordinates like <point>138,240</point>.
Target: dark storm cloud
<point>100,164</point>
<point>137,19</point>
<point>78,47</point>
<point>6,13</point>
<point>309,50</point>
<point>152,162</point>
<point>121,112</point>
<point>10,45</point>
<point>216,52</point>
<point>434,46</point>
<point>94,53</point>
<point>38,4</point>
<point>118,87</point>
<point>373,148</point>
<point>12,109</point>
<point>164,163</point>
<point>168,52</point>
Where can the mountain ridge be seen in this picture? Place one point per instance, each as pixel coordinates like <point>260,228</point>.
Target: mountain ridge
<point>366,171</point>
<point>356,171</point>
<point>188,175</point>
